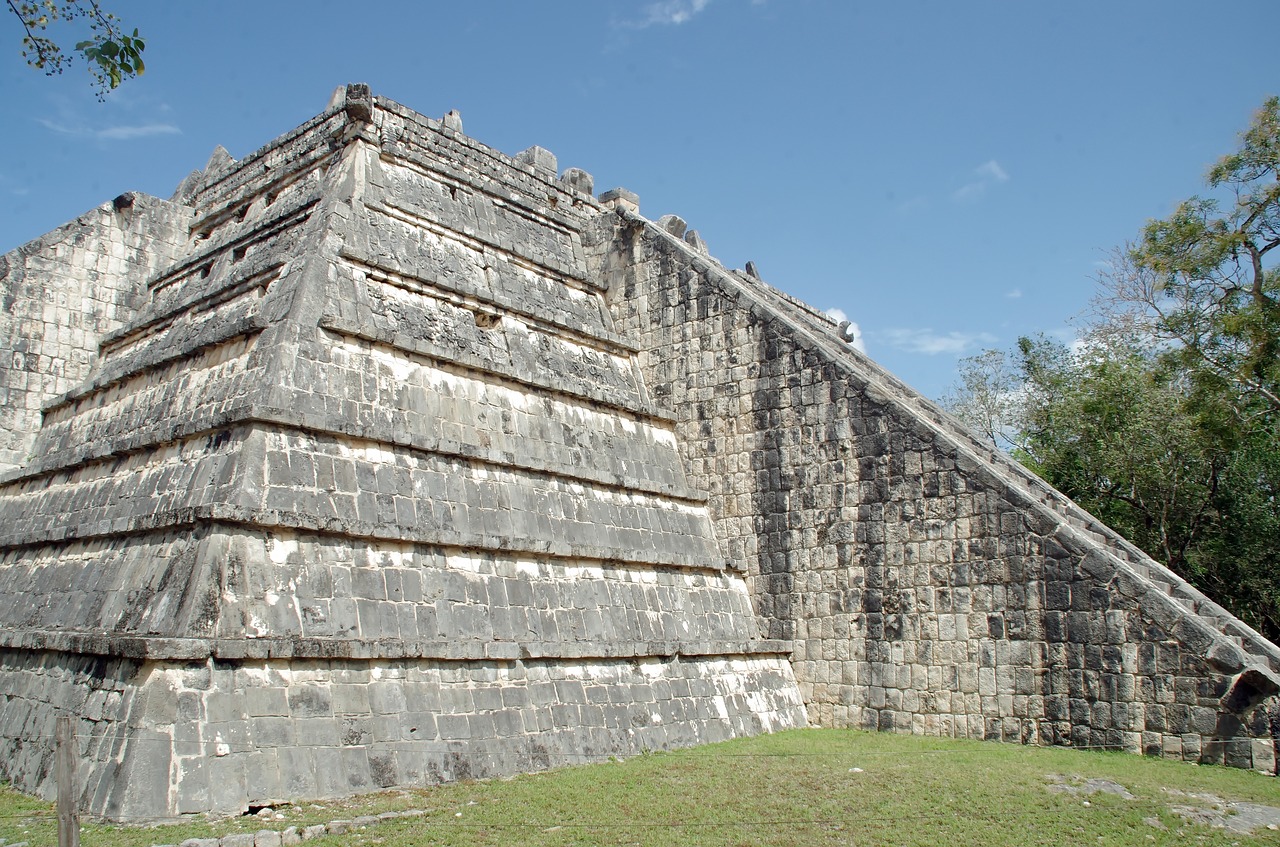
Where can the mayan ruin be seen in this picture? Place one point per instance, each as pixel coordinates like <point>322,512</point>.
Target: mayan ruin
<point>380,458</point>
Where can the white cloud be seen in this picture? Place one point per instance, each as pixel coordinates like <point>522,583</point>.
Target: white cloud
<point>59,128</point>
<point>671,12</point>
<point>1071,337</point>
<point>852,331</point>
<point>111,133</point>
<point>931,343</point>
<point>1013,294</point>
<point>977,183</point>
<point>989,173</point>
<point>143,131</point>
<point>991,169</point>
<point>969,192</point>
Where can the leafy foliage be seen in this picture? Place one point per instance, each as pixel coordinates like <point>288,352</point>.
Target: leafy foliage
<point>1165,422</point>
<point>1119,433</point>
<point>1239,561</point>
<point>1205,280</point>
<point>112,55</point>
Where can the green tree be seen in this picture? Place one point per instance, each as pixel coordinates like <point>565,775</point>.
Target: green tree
<point>1205,279</point>
<point>1121,433</point>
<point>1120,426</point>
<point>1239,562</point>
<point>111,54</point>
<point>1204,283</point>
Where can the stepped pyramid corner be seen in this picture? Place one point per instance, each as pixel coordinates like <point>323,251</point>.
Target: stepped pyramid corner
<point>381,458</point>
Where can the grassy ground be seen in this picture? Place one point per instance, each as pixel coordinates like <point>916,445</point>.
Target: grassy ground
<point>806,787</point>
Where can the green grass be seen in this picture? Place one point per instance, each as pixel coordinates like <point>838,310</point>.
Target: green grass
<point>794,788</point>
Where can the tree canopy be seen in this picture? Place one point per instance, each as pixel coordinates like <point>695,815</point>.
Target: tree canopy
<point>111,54</point>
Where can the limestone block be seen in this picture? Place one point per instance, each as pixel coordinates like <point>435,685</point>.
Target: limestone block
<point>579,181</point>
<point>538,158</point>
<point>620,198</point>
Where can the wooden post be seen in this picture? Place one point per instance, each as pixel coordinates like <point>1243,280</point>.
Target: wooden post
<point>65,756</point>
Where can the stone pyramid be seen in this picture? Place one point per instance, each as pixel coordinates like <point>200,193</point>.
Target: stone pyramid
<point>367,493</point>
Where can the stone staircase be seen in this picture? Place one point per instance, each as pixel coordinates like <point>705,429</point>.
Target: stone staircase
<point>1025,482</point>
<point>826,334</point>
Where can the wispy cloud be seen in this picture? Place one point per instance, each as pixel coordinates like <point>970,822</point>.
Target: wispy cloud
<point>931,343</point>
<point>982,177</point>
<point>142,131</point>
<point>669,12</point>
<point>852,331</point>
<point>1014,294</point>
<point>912,205</point>
<point>991,169</point>
<point>977,182</point>
<point>127,116</point>
<point>110,133</point>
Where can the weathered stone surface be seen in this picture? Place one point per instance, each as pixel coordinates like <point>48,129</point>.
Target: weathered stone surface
<point>360,489</point>
<point>538,158</point>
<point>673,224</point>
<point>621,198</point>
<point>62,294</point>
<point>579,180</point>
<point>380,458</point>
<point>929,585</point>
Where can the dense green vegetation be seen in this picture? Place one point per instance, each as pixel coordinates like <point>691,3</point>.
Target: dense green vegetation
<point>805,787</point>
<point>1164,419</point>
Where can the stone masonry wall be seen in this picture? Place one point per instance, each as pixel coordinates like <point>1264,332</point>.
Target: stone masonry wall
<point>369,493</point>
<point>924,591</point>
<point>62,293</point>
<point>222,735</point>
<point>36,686</point>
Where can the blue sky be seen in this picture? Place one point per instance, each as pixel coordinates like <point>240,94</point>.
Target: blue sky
<point>950,175</point>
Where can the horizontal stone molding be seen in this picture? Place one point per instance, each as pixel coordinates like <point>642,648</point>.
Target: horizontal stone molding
<point>157,648</point>
<point>404,129</point>
<point>227,188</point>
<point>413,281</point>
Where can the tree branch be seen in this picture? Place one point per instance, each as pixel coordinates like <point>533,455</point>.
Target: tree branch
<point>36,42</point>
